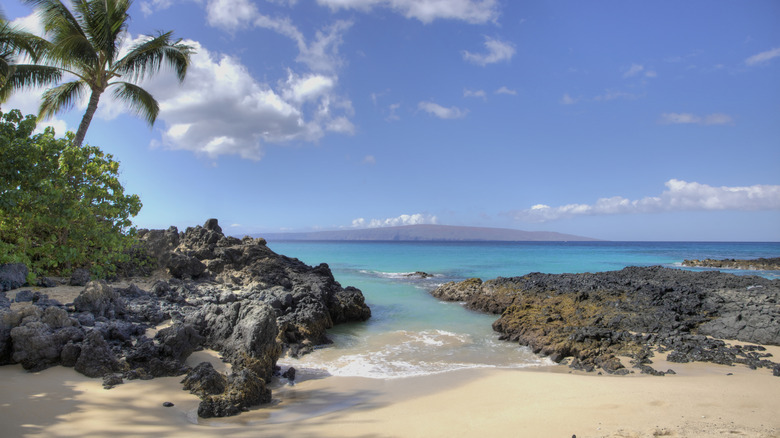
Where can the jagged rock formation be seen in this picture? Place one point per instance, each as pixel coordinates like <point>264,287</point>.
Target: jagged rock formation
<point>596,317</point>
<point>762,264</point>
<point>233,295</point>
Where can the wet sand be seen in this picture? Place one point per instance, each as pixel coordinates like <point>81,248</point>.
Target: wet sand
<point>700,400</point>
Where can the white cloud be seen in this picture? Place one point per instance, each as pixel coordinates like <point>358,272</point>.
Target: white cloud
<point>221,109</point>
<point>319,54</point>
<point>404,219</point>
<point>474,93</point>
<point>369,159</point>
<point>763,57</point>
<point>230,15</point>
<point>505,90</point>
<point>148,7</point>
<point>634,70</point>
<point>688,118</point>
<point>497,51</point>
<point>442,112</point>
<point>616,94</point>
<point>471,11</point>
<point>568,100</point>
<point>679,196</point>
<point>392,115</point>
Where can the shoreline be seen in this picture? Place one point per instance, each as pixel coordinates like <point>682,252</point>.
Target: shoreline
<point>700,400</point>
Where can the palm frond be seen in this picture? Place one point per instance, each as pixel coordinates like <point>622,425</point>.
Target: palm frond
<point>14,41</point>
<point>67,37</point>
<point>148,57</point>
<point>104,22</point>
<point>138,100</point>
<point>28,76</point>
<point>61,97</point>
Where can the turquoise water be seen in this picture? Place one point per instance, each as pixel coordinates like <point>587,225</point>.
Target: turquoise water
<point>411,333</point>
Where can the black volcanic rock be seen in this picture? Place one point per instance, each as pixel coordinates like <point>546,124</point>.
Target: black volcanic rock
<point>96,358</point>
<point>596,317</point>
<point>233,295</point>
<point>12,276</point>
<point>768,264</point>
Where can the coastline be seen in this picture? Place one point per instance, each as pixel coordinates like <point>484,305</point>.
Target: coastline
<point>700,400</point>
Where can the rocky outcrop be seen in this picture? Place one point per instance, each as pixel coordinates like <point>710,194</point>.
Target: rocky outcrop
<point>12,276</point>
<point>233,295</point>
<point>762,264</point>
<point>458,291</point>
<point>593,318</point>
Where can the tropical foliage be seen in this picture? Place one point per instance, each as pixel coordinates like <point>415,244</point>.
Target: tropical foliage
<point>16,45</point>
<point>86,43</point>
<point>61,205</point>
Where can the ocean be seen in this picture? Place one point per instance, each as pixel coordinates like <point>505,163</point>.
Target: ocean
<point>411,333</point>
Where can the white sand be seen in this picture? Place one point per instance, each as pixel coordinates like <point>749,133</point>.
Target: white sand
<point>701,400</point>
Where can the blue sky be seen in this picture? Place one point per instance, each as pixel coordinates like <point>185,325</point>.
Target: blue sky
<point>619,120</point>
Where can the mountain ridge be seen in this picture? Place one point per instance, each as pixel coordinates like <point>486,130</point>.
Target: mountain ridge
<point>431,233</point>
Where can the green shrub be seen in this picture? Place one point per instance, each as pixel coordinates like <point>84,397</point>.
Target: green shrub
<point>61,206</point>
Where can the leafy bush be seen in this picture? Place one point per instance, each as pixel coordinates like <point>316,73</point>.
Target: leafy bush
<point>61,206</point>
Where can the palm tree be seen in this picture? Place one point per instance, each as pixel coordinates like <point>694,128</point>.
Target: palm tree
<point>16,44</point>
<point>86,44</point>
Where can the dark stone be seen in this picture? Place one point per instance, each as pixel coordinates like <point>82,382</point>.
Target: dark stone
<point>79,277</point>
<point>159,244</point>
<point>37,346</point>
<point>100,299</point>
<point>244,332</point>
<point>96,358</point>
<point>168,404</point>
<point>289,374</point>
<point>70,354</point>
<point>46,282</point>
<point>595,317</point>
<point>204,380</point>
<point>146,360</point>
<point>12,276</point>
<point>244,390</point>
<point>184,266</point>
<point>24,296</point>
<point>111,380</point>
<point>179,341</point>
<point>213,225</point>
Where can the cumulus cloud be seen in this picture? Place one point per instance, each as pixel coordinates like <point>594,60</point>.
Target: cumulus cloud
<point>505,90</point>
<point>763,57</point>
<point>679,196</point>
<point>634,70</point>
<point>688,118</point>
<point>442,112</point>
<point>615,94</point>
<point>474,93</point>
<point>568,100</point>
<point>404,219</point>
<point>497,51</point>
<point>222,110</point>
<point>426,11</point>
<point>319,54</point>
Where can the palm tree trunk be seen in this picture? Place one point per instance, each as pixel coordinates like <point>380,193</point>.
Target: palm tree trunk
<point>87,119</point>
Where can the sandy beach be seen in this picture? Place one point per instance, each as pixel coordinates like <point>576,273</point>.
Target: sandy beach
<point>700,400</point>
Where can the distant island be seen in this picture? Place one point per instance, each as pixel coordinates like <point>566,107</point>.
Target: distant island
<point>431,233</point>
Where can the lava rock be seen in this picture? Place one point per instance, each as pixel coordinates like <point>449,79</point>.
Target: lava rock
<point>100,299</point>
<point>12,276</point>
<point>96,358</point>
<point>79,277</point>
<point>204,380</point>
